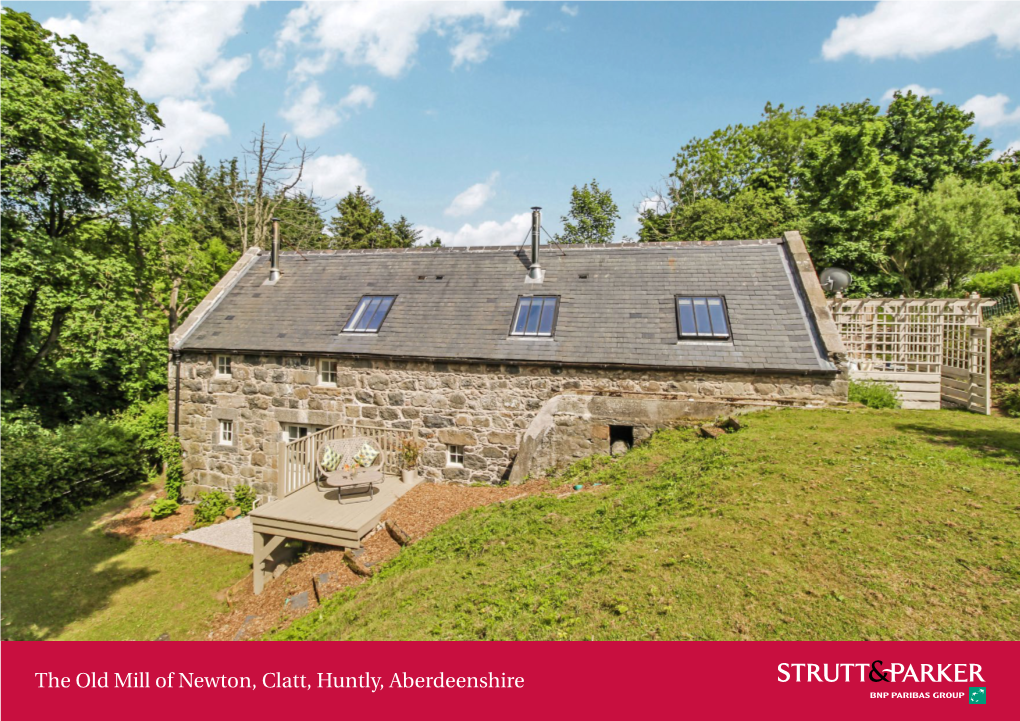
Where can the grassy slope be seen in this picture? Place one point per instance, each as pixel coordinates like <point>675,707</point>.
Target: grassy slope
<point>804,525</point>
<point>72,582</point>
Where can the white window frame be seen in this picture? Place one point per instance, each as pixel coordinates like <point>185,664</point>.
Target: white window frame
<point>221,361</point>
<point>324,371</point>
<point>225,434</point>
<point>454,456</point>
<point>308,430</point>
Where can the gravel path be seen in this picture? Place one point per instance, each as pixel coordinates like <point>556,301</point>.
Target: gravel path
<point>232,535</point>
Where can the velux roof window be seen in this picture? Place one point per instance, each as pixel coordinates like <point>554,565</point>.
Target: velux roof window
<point>370,313</point>
<point>535,316</point>
<point>703,318</point>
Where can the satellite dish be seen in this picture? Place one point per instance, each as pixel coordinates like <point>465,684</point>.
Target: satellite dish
<point>835,280</point>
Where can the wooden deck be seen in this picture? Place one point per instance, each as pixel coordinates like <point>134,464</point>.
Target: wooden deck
<point>309,514</point>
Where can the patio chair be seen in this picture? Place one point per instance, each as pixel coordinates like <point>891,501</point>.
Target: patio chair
<point>348,475</point>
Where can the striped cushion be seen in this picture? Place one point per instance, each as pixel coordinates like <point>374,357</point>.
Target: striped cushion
<point>331,460</point>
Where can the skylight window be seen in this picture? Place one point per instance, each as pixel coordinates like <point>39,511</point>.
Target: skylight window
<point>703,318</point>
<point>536,316</point>
<point>370,313</point>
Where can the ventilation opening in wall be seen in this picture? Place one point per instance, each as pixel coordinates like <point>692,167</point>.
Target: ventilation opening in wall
<point>621,433</point>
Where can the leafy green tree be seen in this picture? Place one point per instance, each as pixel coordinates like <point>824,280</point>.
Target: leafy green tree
<point>958,229</point>
<point>71,129</point>
<point>592,217</point>
<point>757,167</point>
<point>930,142</point>
<point>848,196</point>
<point>751,213</point>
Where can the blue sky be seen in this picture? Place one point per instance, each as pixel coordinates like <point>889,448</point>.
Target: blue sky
<point>461,116</point>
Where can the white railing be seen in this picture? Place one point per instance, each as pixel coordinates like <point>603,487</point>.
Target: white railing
<point>297,461</point>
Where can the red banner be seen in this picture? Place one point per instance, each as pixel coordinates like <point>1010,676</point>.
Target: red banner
<point>510,680</point>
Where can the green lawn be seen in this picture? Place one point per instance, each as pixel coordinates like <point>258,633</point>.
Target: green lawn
<point>72,582</point>
<point>803,525</point>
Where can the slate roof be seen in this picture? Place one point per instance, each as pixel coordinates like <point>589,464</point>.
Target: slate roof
<point>621,314</point>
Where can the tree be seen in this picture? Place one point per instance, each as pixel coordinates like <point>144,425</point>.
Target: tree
<point>269,174</point>
<point>848,195</point>
<point>942,237</point>
<point>751,213</point>
<point>756,166</point>
<point>592,217</point>
<point>301,223</point>
<point>361,223</point>
<point>406,233</point>
<point>930,142</point>
<point>71,130</point>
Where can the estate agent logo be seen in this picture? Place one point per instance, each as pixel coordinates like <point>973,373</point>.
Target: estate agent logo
<point>977,694</point>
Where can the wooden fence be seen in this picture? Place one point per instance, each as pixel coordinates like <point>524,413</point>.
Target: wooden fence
<point>966,374</point>
<point>922,346</point>
<point>298,458</point>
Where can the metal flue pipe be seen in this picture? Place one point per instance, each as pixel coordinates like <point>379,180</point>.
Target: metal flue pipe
<point>535,271</point>
<point>274,253</point>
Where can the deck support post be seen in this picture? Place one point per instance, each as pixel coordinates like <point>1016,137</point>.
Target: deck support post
<point>262,550</point>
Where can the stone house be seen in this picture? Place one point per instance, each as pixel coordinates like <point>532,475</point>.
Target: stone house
<point>502,365</point>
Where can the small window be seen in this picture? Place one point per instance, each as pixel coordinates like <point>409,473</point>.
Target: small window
<point>226,433</point>
<point>455,455</point>
<point>369,315</point>
<point>703,318</point>
<point>535,316</point>
<point>293,432</point>
<point>327,372</point>
<point>223,366</point>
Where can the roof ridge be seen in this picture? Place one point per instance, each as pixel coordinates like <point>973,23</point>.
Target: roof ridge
<point>572,247</point>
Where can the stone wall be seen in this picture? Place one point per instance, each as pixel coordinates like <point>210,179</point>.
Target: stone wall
<point>485,408</point>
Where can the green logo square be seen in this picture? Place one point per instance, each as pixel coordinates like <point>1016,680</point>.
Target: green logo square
<point>977,694</point>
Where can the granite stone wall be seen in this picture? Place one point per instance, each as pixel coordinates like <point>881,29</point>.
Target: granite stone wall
<point>485,408</point>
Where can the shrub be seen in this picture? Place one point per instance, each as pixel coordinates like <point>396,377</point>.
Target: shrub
<point>211,505</point>
<point>170,453</point>
<point>1005,349</point>
<point>244,499</point>
<point>994,284</point>
<point>52,473</point>
<point>163,508</point>
<point>1009,398</point>
<point>159,448</point>
<point>874,394</point>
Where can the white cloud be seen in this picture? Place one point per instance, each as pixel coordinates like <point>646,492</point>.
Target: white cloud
<point>655,202</point>
<point>491,232</point>
<point>333,176</point>
<point>991,111</point>
<point>471,48</point>
<point>473,198</point>
<point>224,72</point>
<point>918,29</point>
<point>914,88</point>
<point>385,37</point>
<point>1013,147</point>
<point>171,51</point>
<point>359,96</point>
<point>164,48</point>
<point>189,126</point>
<point>310,116</point>
<point>571,10</point>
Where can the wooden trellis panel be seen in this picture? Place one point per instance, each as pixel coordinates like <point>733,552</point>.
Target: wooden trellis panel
<point>909,342</point>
